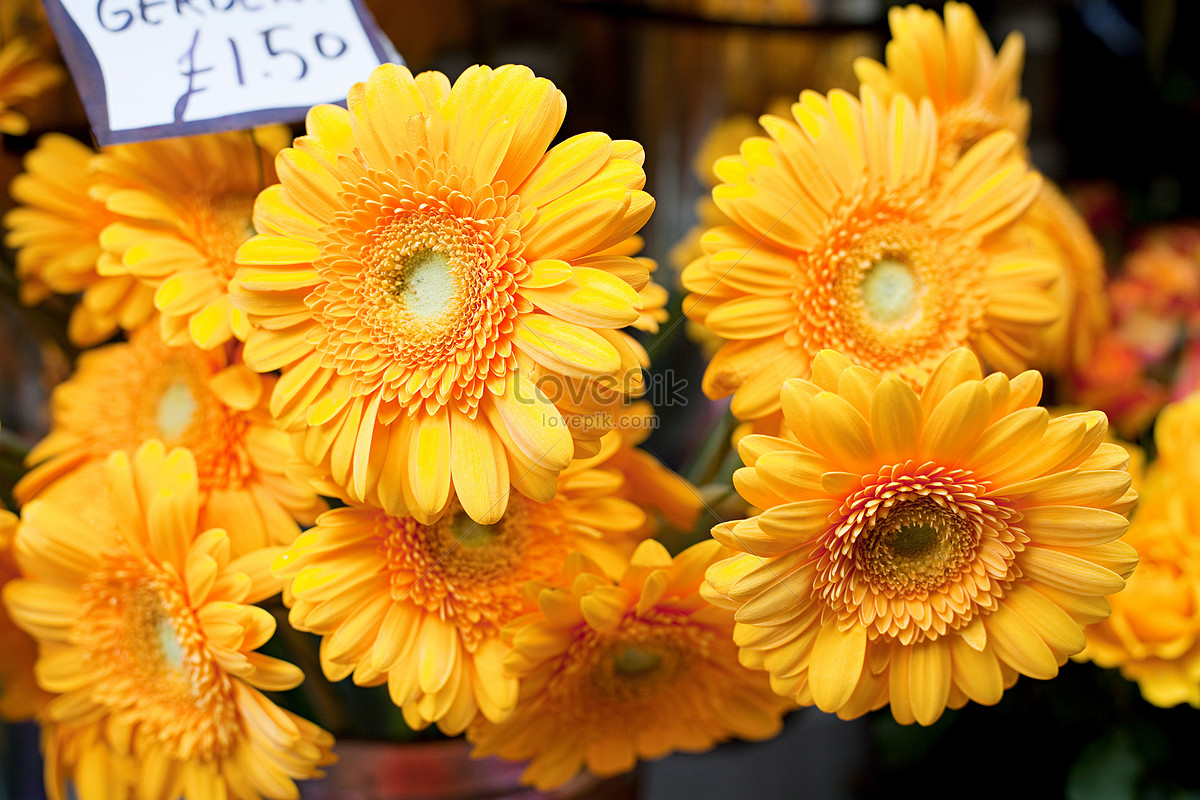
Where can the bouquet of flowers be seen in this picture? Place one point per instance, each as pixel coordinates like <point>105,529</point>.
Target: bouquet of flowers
<point>363,408</point>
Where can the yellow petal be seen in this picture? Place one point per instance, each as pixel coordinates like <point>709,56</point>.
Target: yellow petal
<point>836,664</point>
<point>976,673</point>
<point>604,607</point>
<point>797,522</point>
<point>439,653</point>
<point>479,468</point>
<point>754,317</point>
<point>1019,645</point>
<point>896,419</point>
<point>566,167</point>
<point>534,424</point>
<point>429,464</point>
<point>1067,572</point>
<point>237,386</point>
<point>959,366</point>
<point>929,671</point>
<point>565,347</point>
<point>276,250</point>
<point>840,433</point>
<point>1072,526</point>
<point>589,297</point>
<point>954,426</point>
<point>1009,440</point>
<point>1056,628</point>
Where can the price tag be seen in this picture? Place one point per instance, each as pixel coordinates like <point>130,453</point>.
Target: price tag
<point>152,69</point>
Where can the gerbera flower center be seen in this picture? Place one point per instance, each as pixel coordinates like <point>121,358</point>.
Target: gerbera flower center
<point>643,659</point>
<point>471,534</point>
<point>149,660</point>
<point>175,404</point>
<point>156,642</point>
<point>889,292</point>
<point>919,550</point>
<point>963,126</point>
<point>419,297</point>
<point>426,284</point>
<point>413,275</point>
<point>917,546</point>
<point>631,660</point>
<point>222,224</point>
<point>877,288</point>
<point>168,643</point>
<point>459,544</point>
<point>469,573</point>
<point>176,411</point>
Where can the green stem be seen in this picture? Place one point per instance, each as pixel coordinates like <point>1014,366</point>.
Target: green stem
<point>327,707</point>
<point>712,454</point>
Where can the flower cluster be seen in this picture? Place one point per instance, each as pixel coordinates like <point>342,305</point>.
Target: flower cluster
<point>911,508</point>
<point>414,319</point>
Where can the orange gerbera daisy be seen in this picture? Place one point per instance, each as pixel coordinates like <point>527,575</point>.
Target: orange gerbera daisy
<point>124,394</point>
<point>23,76</point>
<point>185,206</point>
<point>975,90</point>
<point>56,233</point>
<point>848,234</point>
<point>432,273</point>
<point>1053,226</point>
<point>616,670</point>
<point>20,697</point>
<point>147,637</point>
<point>921,549</point>
<point>1153,635</point>
<point>421,606</point>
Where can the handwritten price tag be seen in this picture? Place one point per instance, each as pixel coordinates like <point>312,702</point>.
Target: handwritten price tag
<point>152,69</point>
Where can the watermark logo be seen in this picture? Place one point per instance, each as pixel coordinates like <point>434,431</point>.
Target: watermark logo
<point>593,406</point>
<point>666,389</point>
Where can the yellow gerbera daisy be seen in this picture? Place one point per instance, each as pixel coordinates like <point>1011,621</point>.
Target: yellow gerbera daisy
<point>147,637</point>
<point>20,697</point>
<point>56,233</point>
<point>185,206</point>
<point>921,549</point>
<point>1153,635</point>
<point>23,76</point>
<point>974,90</point>
<point>849,235</point>
<point>612,671</point>
<point>431,273</point>
<point>122,395</point>
<point>421,606</point>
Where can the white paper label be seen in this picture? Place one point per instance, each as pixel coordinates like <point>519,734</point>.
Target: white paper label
<point>175,63</point>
